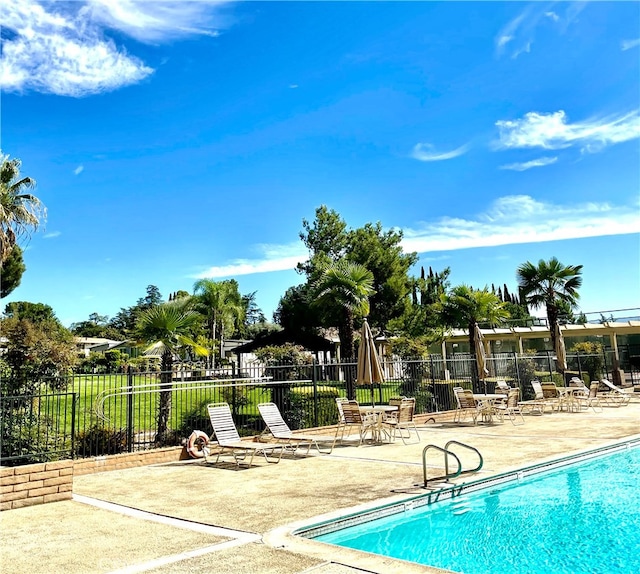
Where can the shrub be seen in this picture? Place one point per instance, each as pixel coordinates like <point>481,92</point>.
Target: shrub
<point>299,410</point>
<point>98,440</point>
<point>591,358</point>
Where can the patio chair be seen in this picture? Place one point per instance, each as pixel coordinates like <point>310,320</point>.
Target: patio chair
<point>354,418</point>
<point>590,400</point>
<point>339,402</point>
<point>502,386</point>
<point>402,420</point>
<point>280,430</point>
<point>579,383</point>
<point>229,440</point>
<point>510,407</point>
<point>538,403</point>
<point>614,393</point>
<point>467,405</point>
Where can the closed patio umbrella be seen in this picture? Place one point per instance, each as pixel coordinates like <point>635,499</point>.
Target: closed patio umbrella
<point>481,356</point>
<point>369,368</point>
<point>561,353</point>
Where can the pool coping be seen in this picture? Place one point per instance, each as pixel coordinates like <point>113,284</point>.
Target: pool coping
<point>297,536</point>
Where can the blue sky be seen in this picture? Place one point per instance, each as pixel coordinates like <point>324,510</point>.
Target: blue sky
<point>177,140</point>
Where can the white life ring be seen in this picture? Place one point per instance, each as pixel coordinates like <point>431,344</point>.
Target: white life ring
<point>197,444</point>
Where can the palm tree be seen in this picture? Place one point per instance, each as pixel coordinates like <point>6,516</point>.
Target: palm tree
<point>345,287</point>
<point>464,307</point>
<point>20,212</point>
<point>166,330</point>
<point>222,305</point>
<point>552,284</point>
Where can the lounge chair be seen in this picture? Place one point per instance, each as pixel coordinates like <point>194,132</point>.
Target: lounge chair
<point>352,417</point>
<point>280,431</point>
<point>228,438</point>
<point>401,420</point>
<point>614,393</point>
<point>510,407</point>
<point>538,403</point>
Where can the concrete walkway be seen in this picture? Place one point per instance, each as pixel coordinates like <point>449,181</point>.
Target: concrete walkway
<point>191,517</point>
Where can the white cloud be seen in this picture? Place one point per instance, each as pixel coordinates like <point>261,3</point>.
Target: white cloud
<point>552,131</point>
<point>154,21</point>
<point>540,162</point>
<point>274,258</point>
<point>52,235</point>
<point>509,220</point>
<point>61,47</point>
<point>522,219</point>
<point>78,170</point>
<point>628,44</point>
<point>426,152</point>
<point>518,35</point>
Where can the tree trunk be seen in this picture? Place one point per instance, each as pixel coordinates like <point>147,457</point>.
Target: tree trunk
<point>345,332</point>
<point>164,406</point>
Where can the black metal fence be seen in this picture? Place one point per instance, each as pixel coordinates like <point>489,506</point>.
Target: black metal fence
<point>119,412</point>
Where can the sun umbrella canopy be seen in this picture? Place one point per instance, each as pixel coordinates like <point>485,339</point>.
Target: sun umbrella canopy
<point>561,353</point>
<point>369,367</point>
<point>481,356</point>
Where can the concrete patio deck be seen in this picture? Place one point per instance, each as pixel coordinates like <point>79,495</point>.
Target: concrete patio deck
<point>191,517</point>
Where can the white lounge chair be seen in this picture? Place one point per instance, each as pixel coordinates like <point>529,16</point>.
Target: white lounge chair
<point>614,392</point>
<point>228,438</point>
<point>538,403</point>
<point>280,430</point>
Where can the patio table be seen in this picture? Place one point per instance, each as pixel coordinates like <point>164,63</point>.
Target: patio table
<point>378,412</point>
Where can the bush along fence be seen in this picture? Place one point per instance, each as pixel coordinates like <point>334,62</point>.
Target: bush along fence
<point>123,412</point>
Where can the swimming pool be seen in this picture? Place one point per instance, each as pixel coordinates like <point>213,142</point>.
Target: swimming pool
<point>580,518</point>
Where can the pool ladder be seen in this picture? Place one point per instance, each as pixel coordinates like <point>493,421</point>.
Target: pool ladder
<point>449,453</point>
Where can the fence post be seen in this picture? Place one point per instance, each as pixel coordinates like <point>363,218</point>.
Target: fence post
<point>434,399</point>
<point>579,364</point>
<point>129,410</point>
<point>74,402</point>
<point>314,380</point>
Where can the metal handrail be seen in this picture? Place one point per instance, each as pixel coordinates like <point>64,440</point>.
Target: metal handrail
<point>446,453</point>
<point>446,446</point>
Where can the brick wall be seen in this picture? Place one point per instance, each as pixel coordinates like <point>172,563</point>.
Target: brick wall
<point>40,483</point>
<point>35,484</point>
<point>129,460</point>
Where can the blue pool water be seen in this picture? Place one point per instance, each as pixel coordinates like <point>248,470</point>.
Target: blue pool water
<point>584,518</point>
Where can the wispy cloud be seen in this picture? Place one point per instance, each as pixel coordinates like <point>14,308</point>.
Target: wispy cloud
<point>273,258</point>
<point>522,219</point>
<point>628,44</point>
<point>52,235</point>
<point>540,162</point>
<point>426,152</point>
<point>154,21</point>
<point>62,48</point>
<point>552,131</point>
<point>78,170</point>
<point>510,220</point>
<point>518,35</point>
